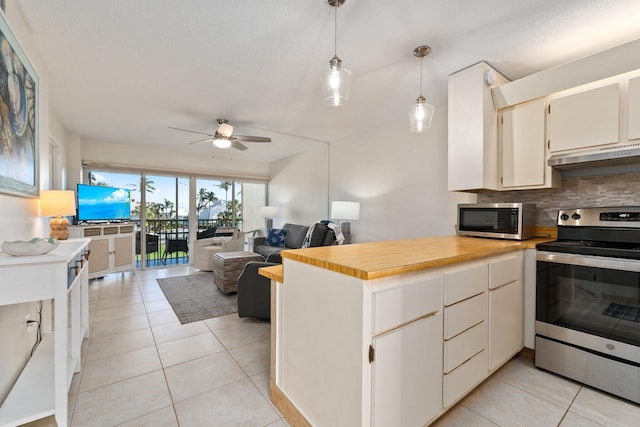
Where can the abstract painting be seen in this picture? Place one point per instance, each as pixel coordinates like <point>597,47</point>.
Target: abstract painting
<point>19,148</point>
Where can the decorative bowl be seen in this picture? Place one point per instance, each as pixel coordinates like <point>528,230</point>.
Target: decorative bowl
<point>35,246</point>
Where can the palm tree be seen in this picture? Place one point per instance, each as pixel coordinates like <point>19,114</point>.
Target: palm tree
<point>205,198</point>
<point>226,217</point>
<point>168,206</point>
<point>94,181</point>
<point>148,185</point>
<point>225,185</point>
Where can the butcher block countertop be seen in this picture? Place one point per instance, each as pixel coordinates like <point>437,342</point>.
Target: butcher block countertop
<point>368,261</point>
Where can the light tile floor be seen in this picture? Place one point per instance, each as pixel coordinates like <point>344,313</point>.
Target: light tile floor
<point>141,367</point>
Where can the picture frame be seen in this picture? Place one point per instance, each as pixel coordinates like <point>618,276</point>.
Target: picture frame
<point>19,118</point>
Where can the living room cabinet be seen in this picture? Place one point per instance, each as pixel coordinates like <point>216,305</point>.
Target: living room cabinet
<point>61,276</point>
<point>112,247</point>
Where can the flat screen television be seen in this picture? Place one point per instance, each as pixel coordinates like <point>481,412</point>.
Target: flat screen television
<point>99,203</point>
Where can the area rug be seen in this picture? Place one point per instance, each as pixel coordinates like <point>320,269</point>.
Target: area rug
<point>195,297</point>
<point>625,312</point>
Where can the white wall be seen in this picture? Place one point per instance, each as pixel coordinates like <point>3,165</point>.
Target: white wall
<point>400,179</point>
<point>20,220</point>
<point>148,157</point>
<point>299,186</point>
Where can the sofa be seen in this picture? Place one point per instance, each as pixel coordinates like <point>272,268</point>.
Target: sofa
<point>225,239</point>
<point>294,239</point>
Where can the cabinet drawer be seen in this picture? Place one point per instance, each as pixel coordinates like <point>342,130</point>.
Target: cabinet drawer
<point>505,271</point>
<point>395,306</point>
<point>465,377</point>
<point>463,346</point>
<point>463,315</point>
<point>464,284</point>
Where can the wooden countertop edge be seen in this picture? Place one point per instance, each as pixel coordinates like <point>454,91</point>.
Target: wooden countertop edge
<point>276,272</point>
<point>400,269</point>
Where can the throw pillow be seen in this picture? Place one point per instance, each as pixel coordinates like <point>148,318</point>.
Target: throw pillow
<point>276,237</point>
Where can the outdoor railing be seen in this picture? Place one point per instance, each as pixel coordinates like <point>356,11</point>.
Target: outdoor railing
<point>173,237</point>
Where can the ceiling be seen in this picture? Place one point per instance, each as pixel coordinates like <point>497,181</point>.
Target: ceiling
<point>124,71</point>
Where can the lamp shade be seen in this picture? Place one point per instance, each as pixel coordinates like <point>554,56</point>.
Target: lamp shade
<point>57,202</point>
<point>336,83</point>
<point>420,115</point>
<point>269,211</point>
<point>349,211</point>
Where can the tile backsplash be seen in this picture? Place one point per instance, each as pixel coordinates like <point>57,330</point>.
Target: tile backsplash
<point>576,192</point>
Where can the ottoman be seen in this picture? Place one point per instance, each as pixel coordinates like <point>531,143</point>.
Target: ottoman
<point>227,267</point>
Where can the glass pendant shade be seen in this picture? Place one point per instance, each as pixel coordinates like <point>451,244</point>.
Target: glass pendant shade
<point>420,115</point>
<point>336,82</point>
<point>222,142</point>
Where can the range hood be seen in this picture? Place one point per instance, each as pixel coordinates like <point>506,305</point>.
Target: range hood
<point>606,157</point>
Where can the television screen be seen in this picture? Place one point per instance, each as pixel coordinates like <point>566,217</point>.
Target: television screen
<point>98,203</point>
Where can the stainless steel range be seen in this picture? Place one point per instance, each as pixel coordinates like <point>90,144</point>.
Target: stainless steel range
<point>588,299</point>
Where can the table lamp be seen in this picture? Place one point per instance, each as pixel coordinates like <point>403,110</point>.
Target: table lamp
<point>345,212</point>
<point>268,213</point>
<point>56,203</point>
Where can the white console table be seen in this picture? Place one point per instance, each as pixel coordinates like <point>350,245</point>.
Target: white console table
<point>43,386</point>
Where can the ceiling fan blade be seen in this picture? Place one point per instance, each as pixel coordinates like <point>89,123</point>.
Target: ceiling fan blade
<point>238,145</point>
<point>201,140</point>
<point>192,131</point>
<point>225,129</point>
<point>249,138</point>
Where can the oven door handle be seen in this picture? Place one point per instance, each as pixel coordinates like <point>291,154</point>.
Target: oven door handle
<point>622,264</point>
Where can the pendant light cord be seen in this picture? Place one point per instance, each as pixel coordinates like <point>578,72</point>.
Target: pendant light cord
<point>421,61</point>
<point>335,31</point>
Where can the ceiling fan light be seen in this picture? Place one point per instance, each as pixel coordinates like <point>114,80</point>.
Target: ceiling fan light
<point>420,115</point>
<point>222,142</point>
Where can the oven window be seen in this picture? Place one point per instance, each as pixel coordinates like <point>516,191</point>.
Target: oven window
<point>593,300</point>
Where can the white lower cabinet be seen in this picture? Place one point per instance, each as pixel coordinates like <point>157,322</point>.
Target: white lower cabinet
<point>395,351</point>
<point>506,320</point>
<point>407,374</point>
<point>461,380</point>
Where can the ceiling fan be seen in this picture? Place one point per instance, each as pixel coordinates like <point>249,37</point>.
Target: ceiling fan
<point>224,138</point>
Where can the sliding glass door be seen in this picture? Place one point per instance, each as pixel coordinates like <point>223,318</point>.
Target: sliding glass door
<point>167,216</point>
<point>160,206</point>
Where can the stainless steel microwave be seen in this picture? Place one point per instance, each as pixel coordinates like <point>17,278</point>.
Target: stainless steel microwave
<point>515,221</point>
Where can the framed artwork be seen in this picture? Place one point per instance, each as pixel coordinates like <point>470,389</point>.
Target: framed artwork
<point>19,133</point>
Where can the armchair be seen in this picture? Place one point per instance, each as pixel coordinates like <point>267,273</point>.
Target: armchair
<point>151,246</point>
<point>226,239</point>
<point>254,292</point>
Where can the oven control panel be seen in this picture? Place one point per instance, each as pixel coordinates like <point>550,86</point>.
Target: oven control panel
<point>622,216</point>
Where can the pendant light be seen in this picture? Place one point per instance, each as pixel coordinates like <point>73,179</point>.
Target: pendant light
<point>336,79</point>
<point>421,112</point>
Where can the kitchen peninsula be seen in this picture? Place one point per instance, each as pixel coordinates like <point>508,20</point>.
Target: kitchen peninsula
<point>392,333</point>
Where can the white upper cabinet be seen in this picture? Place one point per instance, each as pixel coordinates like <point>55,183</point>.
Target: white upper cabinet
<point>634,109</point>
<point>473,133</point>
<point>585,119</point>
<point>523,148</point>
